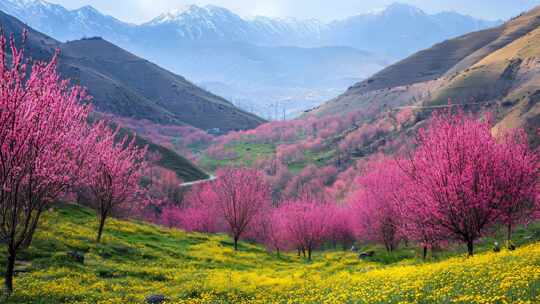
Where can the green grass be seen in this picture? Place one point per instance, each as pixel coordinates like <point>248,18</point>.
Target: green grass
<point>319,159</point>
<point>136,260</point>
<point>245,155</point>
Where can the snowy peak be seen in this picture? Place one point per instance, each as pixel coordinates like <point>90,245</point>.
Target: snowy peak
<point>87,9</point>
<point>172,15</point>
<point>207,23</point>
<point>39,8</point>
<point>193,12</point>
<point>28,3</point>
<point>31,7</point>
<point>402,9</point>
<point>63,24</point>
<point>211,23</point>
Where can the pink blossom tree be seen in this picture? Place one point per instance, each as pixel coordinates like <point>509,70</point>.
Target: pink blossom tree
<point>340,226</point>
<point>516,181</point>
<point>377,203</point>
<point>467,178</point>
<point>113,174</point>
<point>192,219</point>
<point>242,193</point>
<point>42,128</point>
<point>311,180</point>
<point>417,222</point>
<point>306,224</point>
<point>201,212</point>
<point>269,230</point>
<point>164,186</point>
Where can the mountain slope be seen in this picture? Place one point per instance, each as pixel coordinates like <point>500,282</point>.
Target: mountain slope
<point>161,95</point>
<point>497,68</point>
<point>169,159</point>
<point>126,85</point>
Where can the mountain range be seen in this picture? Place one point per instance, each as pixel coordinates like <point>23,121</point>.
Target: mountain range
<point>398,24</point>
<point>258,62</point>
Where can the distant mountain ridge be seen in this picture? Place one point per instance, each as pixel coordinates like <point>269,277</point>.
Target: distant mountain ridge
<point>213,24</point>
<point>405,26</point>
<point>308,60</point>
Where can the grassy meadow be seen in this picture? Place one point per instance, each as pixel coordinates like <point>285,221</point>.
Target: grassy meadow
<point>136,260</point>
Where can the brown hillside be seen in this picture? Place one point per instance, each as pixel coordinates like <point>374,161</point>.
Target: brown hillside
<point>126,85</point>
<point>496,70</point>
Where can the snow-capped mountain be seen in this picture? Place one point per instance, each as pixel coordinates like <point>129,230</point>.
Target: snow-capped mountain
<point>211,44</point>
<point>208,23</point>
<point>211,23</point>
<point>63,24</point>
<point>380,32</point>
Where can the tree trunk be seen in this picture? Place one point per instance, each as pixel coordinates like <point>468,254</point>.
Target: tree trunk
<point>8,284</point>
<point>470,248</point>
<point>102,220</point>
<point>28,240</point>
<point>235,243</point>
<point>509,232</point>
<point>424,254</point>
<point>30,235</point>
<point>309,254</point>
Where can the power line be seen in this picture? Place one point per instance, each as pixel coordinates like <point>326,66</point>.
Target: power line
<point>444,106</point>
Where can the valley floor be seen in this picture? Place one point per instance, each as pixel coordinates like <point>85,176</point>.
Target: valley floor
<point>137,260</point>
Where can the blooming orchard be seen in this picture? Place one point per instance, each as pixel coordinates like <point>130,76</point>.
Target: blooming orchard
<point>457,184</point>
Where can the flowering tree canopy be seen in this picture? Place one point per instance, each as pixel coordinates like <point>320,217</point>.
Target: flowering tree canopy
<point>113,173</point>
<point>42,125</point>
<point>242,194</point>
<point>377,203</point>
<point>467,178</point>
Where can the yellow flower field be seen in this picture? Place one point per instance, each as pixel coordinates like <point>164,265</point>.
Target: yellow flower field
<point>138,260</point>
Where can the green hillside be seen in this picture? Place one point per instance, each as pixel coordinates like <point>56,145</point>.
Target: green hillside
<point>169,159</point>
<point>137,260</point>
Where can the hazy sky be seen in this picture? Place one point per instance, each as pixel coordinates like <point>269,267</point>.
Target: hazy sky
<point>142,10</point>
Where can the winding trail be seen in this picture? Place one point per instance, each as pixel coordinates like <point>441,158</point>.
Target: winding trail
<point>189,184</point>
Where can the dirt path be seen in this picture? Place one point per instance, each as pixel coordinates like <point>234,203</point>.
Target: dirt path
<point>189,184</point>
